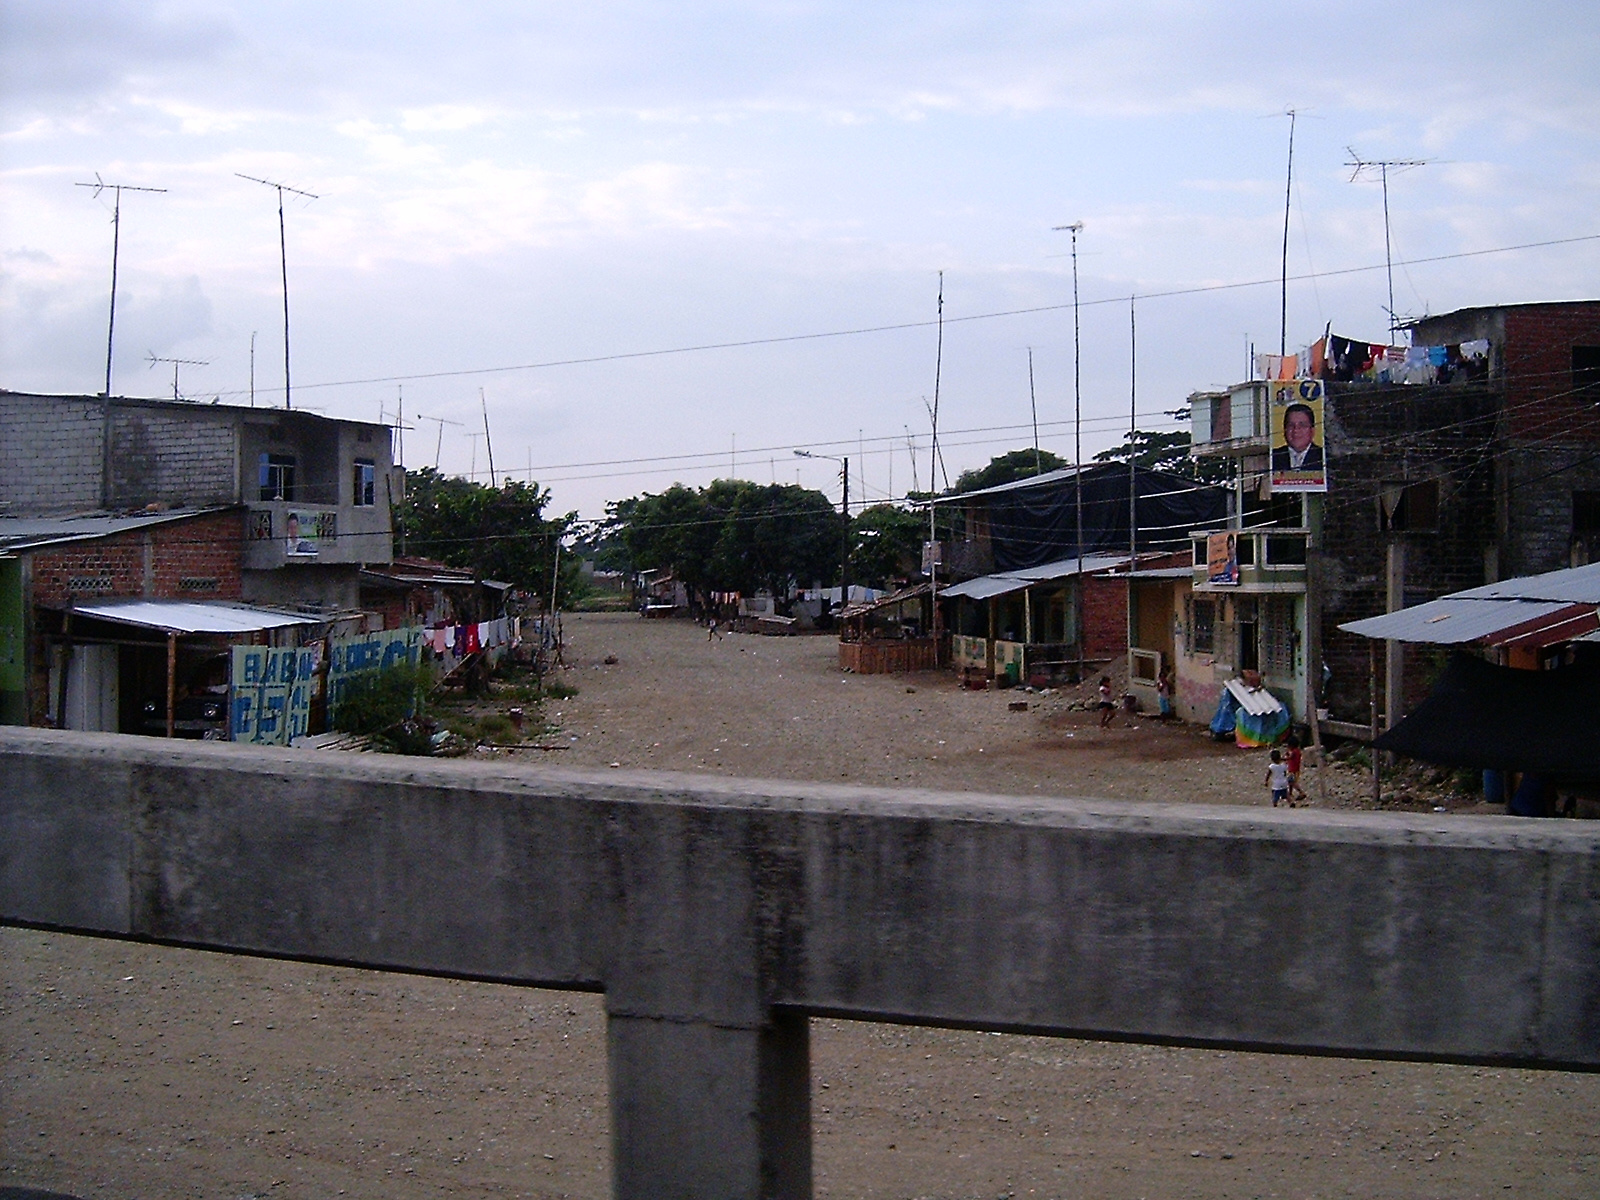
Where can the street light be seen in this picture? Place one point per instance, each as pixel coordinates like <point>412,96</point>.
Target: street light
<point>844,552</point>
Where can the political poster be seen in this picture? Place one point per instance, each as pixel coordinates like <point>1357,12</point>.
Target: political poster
<point>1294,413</point>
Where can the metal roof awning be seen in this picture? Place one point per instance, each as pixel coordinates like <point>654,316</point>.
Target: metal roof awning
<point>1575,585</point>
<point>191,616</point>
<point>1457,620</point>
<point>862,607</point>
<point>986,587</point>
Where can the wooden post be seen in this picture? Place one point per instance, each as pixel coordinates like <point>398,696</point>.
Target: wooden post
<point>172,683</point>
<point>1372,705</point>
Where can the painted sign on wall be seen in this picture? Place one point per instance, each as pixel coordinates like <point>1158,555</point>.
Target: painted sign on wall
<point>271,693</point>
<point>349,657</point>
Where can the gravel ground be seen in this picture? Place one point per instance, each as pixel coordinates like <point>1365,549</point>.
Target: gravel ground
<point>141,1071</point>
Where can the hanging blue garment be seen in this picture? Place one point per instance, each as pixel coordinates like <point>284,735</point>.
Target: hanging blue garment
<point>1226,717</point>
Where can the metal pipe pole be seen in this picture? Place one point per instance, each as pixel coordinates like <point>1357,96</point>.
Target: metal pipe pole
<point>283,258</point>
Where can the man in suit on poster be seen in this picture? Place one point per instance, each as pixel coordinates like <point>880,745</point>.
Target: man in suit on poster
<point>1301,451</point>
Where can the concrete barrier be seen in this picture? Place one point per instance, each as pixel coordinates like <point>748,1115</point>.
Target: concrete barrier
<point>717,915</point>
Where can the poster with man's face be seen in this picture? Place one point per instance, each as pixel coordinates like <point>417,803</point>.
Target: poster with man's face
<point>1295,415</point>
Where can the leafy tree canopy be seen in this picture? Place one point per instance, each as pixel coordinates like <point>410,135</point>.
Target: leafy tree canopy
<point>1166,452</point>
<point>497,533</point>
<point>1005,468</point>
<point>733,535</point>
<point>886,545</point>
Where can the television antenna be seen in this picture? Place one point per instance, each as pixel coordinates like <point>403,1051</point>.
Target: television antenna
<point>99,185</point>
<point>1363,168</point>
<point>438,447</point>
<point>176,363</point>
<point>283,254</point>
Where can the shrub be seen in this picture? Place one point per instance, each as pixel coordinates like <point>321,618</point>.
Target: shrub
<point>383,702</point>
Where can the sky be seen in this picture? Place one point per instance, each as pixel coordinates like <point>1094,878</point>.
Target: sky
<point>642,239</point>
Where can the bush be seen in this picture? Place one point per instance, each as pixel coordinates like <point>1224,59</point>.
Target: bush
<point>390,704</point>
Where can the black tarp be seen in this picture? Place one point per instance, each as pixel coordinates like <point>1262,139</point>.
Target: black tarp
<point>1481,715</point>
<point>1031,526</point>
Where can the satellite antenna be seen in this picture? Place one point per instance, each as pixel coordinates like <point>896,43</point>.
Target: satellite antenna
<point>283,253</point>
<point>99,185</point>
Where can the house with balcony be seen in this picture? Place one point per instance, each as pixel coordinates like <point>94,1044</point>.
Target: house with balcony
<point>1438,467</point>
<point>140,539</point>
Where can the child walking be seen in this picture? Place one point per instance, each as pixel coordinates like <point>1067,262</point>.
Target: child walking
<point>1291,761</point>
<point>1278,779</point>
<point>1108,708</point>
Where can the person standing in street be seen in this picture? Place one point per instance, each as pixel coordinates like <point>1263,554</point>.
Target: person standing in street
<point>1277,780</point>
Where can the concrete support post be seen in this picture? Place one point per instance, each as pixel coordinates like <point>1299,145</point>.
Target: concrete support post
<point>699,1110</point>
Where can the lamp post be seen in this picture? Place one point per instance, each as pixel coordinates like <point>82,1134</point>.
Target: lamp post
<point>844,505</point>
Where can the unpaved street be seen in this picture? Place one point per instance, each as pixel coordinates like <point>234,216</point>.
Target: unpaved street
<point>141,1071</point>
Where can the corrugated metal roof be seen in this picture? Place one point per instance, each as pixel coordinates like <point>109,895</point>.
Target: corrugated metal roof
<point>1258,702</point>
<point>1575,585</point>
<point>1455,620</point>
<point>987,586</point>
<point>1005,582</point>
<point>23,533</point>
<point>190,616</point>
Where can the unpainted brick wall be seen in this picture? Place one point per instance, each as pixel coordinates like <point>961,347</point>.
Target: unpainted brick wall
<point>49,454</point>
<point>150,563</point>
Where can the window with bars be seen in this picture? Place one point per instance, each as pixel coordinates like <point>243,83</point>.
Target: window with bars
<point>1278,635</point>
<point>1203,626</point>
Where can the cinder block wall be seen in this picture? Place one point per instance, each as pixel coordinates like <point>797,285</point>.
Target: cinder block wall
<point>50,454</point>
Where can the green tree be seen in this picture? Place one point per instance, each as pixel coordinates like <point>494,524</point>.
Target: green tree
<point>733,535</point>
<point>1008,467</point>
<point>886,545</point>
<point>497,533</point>
<point>1167,451</point>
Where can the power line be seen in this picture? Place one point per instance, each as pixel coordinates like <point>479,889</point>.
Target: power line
<point>901,326</point>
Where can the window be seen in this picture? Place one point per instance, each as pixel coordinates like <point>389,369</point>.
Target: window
<point>277,477</point>
<point>1246,550</point>
<point>1203,638</point>
<point>1201,552</point>
<point>366,475</point>
<point>1585,513</point>
<point>1286,550</point>
<point>1409,507</point>
<point>1277,635</point>
<point>1586,374</point>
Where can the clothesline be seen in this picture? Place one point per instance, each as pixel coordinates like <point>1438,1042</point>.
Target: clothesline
<point>1344,360</point>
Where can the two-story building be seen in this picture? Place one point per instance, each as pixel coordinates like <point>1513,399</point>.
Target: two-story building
<point>1469,456</point>
<point>139,538</point>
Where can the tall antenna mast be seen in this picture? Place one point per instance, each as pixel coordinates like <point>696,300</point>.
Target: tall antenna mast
<point>1288,190</point>
<point>283,254</point>
<point>99,185</point>
<point>1033,405</point>
<point>1077,429</point>
<point>487,444</point>
<point>933,458</point>
<point>911,448</point>
<point>176,363</point>
<point>1361,166</point>
<point>252,368</point>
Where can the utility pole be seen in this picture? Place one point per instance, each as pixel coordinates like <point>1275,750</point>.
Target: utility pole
<point>252,368</point>
<point>283,255</point>
<point>1077,431</point>
<point>1361,166</point>
<point>844,507</point>
<point>176,363</point>
<point>933,457</point>
<point>99,185</point>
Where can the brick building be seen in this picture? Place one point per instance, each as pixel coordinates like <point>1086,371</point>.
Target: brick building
<point>1432,488</point>
<point>140,538</point>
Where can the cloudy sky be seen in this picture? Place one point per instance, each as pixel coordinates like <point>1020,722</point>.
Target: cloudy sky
<point>562,204</point>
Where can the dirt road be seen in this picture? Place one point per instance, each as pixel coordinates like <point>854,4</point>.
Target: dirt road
<point>140,1071</point>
